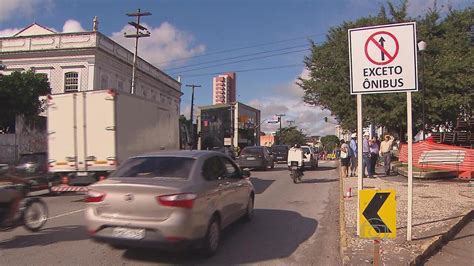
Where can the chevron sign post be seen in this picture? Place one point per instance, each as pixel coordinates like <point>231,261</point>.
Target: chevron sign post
<point>378,213</point>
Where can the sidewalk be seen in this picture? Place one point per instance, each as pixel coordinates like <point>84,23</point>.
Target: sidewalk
<point>438,205</point>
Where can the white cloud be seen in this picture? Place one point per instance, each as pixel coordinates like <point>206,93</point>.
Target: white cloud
<point>165,43</point>
<point>9,32</point>
<point>287,100</point>
<point>22,8</point>
<point>72,25</point>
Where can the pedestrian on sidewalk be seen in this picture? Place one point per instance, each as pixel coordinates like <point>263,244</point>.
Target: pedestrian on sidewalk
<point>345,158</point>
<point>385,153</point>
<point>353,154</point>
<point>365,155</point>
<point>374,155</point>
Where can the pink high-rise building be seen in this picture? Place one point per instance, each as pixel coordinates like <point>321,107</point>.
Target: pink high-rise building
<point>224,88</point>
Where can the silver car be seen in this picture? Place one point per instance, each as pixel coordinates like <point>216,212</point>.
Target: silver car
<point>180,199</point>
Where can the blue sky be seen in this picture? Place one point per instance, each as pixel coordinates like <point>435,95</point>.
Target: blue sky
<point>184,28</point>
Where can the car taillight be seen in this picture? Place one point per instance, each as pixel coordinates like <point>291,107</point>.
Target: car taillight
<point>183,200</point>
<point>94,196</point>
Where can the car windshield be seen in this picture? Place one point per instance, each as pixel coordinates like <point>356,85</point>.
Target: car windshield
<point>29,158</point>
<point>170,167</point>
<point>280,149</point>
<point>306,150</point>
<point>252,151</point>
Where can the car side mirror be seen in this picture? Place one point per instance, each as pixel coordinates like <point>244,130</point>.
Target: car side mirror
<point>245,173</point>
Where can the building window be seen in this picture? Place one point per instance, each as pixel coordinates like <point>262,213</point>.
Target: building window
<point>42,75</point>
<point>104,82</point>
<point>71,82</point>
<point>120,85</point>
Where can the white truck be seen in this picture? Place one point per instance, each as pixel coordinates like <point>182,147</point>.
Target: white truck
<point>91,132</point>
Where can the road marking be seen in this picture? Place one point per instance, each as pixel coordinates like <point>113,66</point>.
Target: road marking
<point>65,214</point>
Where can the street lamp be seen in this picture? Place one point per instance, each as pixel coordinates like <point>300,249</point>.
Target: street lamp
<point>421,47</point>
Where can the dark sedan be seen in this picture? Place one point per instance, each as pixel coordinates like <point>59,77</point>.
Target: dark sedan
<point>257,157</point>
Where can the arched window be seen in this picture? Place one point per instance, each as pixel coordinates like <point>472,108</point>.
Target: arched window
<point>71,81</point>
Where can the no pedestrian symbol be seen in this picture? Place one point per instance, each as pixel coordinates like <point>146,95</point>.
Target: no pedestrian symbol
<point>383,58</point>
<point>378,213</point>
<point>381,48</point>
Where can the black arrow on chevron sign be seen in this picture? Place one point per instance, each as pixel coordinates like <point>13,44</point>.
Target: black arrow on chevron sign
<point>371,212</point>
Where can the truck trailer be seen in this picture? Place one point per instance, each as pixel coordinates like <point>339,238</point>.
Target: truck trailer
<point>90,133</point>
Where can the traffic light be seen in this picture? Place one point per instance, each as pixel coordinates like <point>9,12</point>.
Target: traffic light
<point>326,119</point>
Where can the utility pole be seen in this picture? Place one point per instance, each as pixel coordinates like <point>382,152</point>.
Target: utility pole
<point>279,119</point>
<point>192,110</point>
<point>137,36</point>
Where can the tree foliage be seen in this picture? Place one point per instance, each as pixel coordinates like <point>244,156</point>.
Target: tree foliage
<point>19,95</point>
<point>330,142</point>
<point>291,136</point>
<point>448,72</point>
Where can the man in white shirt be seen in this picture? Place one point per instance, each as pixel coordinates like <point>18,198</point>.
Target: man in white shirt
<point>385,152</point>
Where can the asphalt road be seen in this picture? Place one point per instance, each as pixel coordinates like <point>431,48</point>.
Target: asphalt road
<point>458,251</point>
<point>293,224</point>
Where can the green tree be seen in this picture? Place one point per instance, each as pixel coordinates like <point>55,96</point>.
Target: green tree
<point>19,95</point>
<point>330,142</point>
<point>448,72</point>
<point>291,136</point>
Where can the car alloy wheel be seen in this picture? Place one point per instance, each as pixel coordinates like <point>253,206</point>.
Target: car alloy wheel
<point>212,238</point>
<point>249,214</point>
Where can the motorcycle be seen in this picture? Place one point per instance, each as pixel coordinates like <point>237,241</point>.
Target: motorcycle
<point>32,212</point>
<point>296,172</point>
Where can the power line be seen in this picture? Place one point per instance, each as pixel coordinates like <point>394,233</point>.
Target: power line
<point>240,56</point>
<point>239,61</point>
<point>246,70</point>
<point>240,48</point>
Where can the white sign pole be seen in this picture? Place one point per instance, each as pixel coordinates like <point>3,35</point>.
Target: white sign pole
<point>360,184</point>
<point>410,166</point>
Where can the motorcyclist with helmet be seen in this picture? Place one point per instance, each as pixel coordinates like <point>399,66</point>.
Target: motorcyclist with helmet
<point>295,158</point>
<point>10,197</point>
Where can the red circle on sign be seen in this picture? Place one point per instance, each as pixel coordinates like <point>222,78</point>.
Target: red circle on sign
<point>382,49</point>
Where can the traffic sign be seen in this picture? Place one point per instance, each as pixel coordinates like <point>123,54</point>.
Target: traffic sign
<point>378,213</point>
<point>383,58</point>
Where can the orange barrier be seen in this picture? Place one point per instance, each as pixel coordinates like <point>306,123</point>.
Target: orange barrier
<point>466,168</point>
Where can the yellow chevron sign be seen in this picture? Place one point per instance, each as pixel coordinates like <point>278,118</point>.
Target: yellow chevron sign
<point>377,217</point>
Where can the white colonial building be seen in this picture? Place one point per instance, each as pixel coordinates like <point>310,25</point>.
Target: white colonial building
<point>85,61</point>
<point>82,61</point>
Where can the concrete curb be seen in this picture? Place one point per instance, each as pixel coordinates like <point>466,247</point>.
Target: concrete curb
<point>342,220</point>
<point>439,241</point>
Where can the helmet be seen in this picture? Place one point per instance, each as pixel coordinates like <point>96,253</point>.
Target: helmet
<point>354,135</point>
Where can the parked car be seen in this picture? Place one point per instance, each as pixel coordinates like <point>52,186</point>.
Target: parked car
<point>34,167</point>
<point>171,200</point>
<point>310,159</point>
<point>225,150</point>
<point>280,153</point>
<point>257,157</point>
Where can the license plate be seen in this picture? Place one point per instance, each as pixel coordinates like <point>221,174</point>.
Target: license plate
<point>250,158</point>
<point>128,233</point>
<point>81,173</point>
